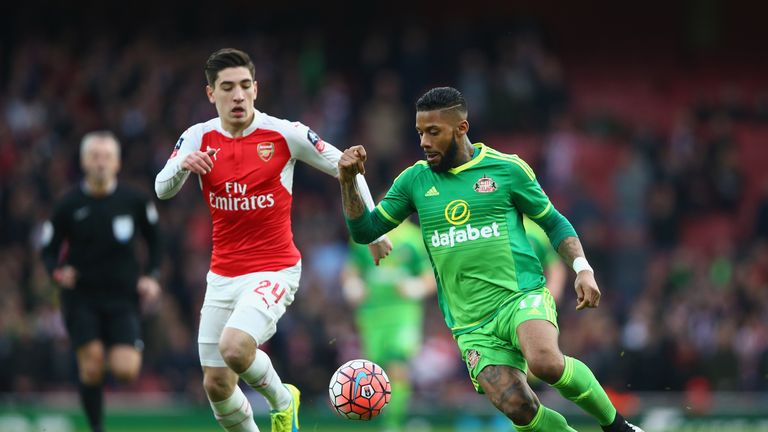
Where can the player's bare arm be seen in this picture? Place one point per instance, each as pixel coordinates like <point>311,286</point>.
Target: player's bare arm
<point>199,162</point>
<point>352,162</point>
<point>587,292</point>
<point>570,249</point>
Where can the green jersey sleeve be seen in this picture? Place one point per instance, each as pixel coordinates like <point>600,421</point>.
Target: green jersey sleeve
<point>527,194</point>
<point>533,202</point>
<point>397,203</point>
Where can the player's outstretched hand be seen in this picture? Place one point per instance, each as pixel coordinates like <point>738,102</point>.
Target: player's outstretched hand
<point>587,292</point>
<point>352,162</point>
<point>149,291</point>
<point>380,249</point>
<point>65,276</point>
<point>199,162</point>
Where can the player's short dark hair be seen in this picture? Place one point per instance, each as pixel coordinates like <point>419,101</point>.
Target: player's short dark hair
<point>226,58</point>
<point>441,98</point>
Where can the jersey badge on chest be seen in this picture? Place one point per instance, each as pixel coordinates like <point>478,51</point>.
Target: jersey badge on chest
<point>122,228</point>
<point>485,184</point>
<point>266,150</point>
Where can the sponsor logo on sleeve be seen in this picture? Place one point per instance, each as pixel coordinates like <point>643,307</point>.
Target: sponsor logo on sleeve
<point>315,140</point>
<point>176,148</point>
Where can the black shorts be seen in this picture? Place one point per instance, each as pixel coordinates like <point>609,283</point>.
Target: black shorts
<point>112,321</point>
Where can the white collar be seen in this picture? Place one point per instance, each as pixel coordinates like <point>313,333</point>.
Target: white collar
<point>257,117</point>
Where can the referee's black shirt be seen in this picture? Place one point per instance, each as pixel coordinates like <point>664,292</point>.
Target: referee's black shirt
<point>97,234</point>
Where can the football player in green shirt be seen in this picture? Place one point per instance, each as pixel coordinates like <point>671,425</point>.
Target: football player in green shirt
<point>388,309</point>
<point>491,289</point>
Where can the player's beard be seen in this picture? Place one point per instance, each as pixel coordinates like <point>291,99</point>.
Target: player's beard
<point>449,158</point>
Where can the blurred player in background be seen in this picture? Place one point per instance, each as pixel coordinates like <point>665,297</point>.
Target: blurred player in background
<point>555,272</point>
<point>389,312</point>
<point>244,161</point>
<point>471,200</point>
<point>89,250</point>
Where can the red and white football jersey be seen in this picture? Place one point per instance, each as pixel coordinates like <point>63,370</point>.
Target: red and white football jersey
<point>249,190</point>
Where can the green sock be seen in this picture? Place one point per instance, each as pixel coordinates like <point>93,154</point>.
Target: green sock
<point>580,386</point>
<point>397,409</point>
<point>546,420</point>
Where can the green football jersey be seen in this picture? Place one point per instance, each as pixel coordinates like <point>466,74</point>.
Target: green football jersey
<point>472,224</point>
<point>407,259</point>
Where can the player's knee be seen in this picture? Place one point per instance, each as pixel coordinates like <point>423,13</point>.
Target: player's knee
<point>238,350</point>
<point>126,374</point>
<point>124,363</point>
<point>217,386</point>
<point>236,356</point>
<point>547,365</point>
<point>91,373</point>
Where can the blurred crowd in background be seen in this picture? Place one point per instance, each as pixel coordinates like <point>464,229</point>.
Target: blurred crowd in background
<point>659,163</point>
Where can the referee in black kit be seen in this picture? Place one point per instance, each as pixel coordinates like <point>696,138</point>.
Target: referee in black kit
<point>89,250</point>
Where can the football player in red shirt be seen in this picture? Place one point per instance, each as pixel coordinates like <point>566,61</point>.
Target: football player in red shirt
<point>244,160</point>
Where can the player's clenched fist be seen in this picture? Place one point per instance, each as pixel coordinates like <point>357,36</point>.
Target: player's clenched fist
<point>199,162</point>
<point>587,292</point>
<point>352,162</point>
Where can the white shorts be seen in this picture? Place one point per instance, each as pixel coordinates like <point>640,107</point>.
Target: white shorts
<point>252,303</point>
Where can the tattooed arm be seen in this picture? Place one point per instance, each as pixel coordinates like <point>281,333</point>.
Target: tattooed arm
<point>351,200</point>
<point>352,163</point>
<point>569,249</point>
<point>364,225</point>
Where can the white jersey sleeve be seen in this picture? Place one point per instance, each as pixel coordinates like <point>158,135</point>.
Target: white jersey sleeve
<point>172,177</point>
<point>308,147</point>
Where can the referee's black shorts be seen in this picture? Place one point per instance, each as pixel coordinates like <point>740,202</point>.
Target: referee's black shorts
<point>114,321</point>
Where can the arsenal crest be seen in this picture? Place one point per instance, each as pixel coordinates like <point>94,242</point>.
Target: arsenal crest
<point>485,185</point>
<point>472,358</point>
<point>266,150</point>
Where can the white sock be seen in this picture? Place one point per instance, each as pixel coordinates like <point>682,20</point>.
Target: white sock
<point>261,376</point>
<point>234,413</point>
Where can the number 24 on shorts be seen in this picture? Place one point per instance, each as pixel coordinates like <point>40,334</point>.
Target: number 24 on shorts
<point>277,291</point>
